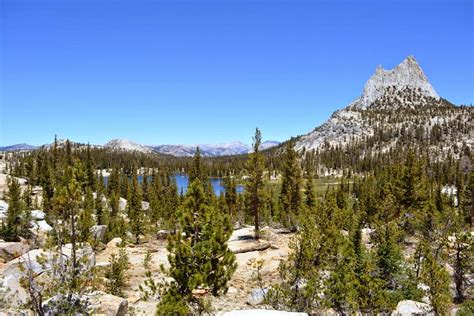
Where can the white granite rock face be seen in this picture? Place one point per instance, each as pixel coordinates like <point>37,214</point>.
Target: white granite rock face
<point>408,308</point>
<point>407,74</point>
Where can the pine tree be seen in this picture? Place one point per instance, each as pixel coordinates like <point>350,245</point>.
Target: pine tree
<point>290,196</point>
<point>230,196</point>
<point>342,284</point>
<point>66,204</point>
<point>17,220</point>
<point>199,256</point>
<point>90,170</point>
<point>156,204</point>
<point>136,214</point>
<point>255,183</point>
<point>370,296</point>
<point>116,271</point>
<point>65,268</point>
<point>388,254</point>
<point>467,202</point>
<point>310,196</point>
<point>387,207</point>
<point>461,258</point>
<point>197,170</point>
<point>113,184</point>
<point>86,220</point>
<point>26,197</point>
<point>438,281</point>
<point>116,222</point>
<point>145,185</point>
<point>414,190</point>
<point>301,277</point>
<point>101,211</point>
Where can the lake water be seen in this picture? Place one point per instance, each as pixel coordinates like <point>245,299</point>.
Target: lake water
<point>182,181</point>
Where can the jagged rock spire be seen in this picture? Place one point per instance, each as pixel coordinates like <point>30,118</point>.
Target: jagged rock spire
<point>407,74</point>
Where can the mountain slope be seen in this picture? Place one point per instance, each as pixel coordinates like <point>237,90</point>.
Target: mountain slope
<point>396,105</point>
<point>124,144</point>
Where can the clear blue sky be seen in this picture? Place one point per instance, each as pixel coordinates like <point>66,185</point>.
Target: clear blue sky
<point>211,71</point>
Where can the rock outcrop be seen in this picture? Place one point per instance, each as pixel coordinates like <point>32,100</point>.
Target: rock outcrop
<point>12,250</point>
<point>408,308</point>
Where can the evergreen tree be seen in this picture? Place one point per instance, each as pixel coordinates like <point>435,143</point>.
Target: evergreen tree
<point>310,196</point>
<point>116,271</point>
<point>230,195</point>
<point>64,278</point>
<point>116,222</point>
<point>199,256</point>
<point>301,274</point>
<point>290,196</point>
<point>136,214</point>
<point>86,220</point>
<point>438,281</point>
<point>26,197</point>
<point>342,284</point>
<point>197,170</point>
<point>66,204</point>
<point>388,254</point>
<point>17,220</point>
<point>461,258</point>
<point>101,211</point>
<point>414,190</point>
<point>156,204</point>
<point>255,183</point>
<point>370,296</point>
<point>113,184</point>
<point>467,202</point>
<point>145,189</point>
<point>90,170</point>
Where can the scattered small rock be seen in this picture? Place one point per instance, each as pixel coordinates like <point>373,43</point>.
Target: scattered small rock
<point>12,250</point>
<point>116,242</point>
<point>98,232</point>
<point>107,304</point>
<point>257,296</point>
<point>37,215</point>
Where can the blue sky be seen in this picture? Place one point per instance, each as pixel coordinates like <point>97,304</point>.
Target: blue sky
<point>211,71</point>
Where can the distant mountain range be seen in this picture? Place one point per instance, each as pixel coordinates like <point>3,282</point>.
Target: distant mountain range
<point>207,150</point>
<point>17,147</point>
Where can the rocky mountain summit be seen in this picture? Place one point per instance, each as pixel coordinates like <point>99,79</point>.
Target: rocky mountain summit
<point>395,103</point>
<point>408,74</point>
